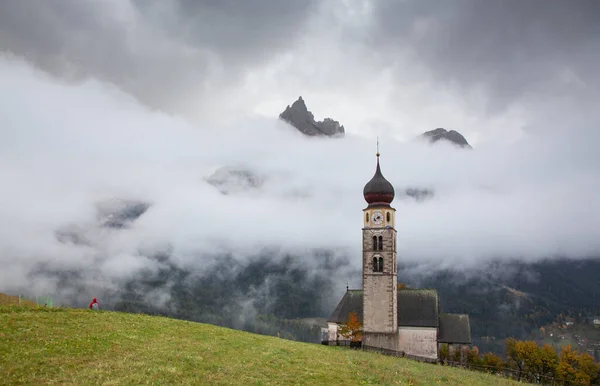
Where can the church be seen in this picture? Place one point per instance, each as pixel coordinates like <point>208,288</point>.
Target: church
<point>399,321</point>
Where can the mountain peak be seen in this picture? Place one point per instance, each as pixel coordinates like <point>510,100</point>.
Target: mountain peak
<point>302,119</point>
<point>442,134</point>
<point>300,105</point>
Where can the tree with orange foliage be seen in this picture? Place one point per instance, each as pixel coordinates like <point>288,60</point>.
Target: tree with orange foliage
<point>532,361</point>
<point>472,356</point>
<point>537,364</point>
<point>352,328</point>
<point>596,378</point>
<point>576,368</point>
<point>491,362</point>
<point>515,356</point>
<point>541,362</point>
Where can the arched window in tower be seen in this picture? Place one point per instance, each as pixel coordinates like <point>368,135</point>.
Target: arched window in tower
<point>381,264</point>
<point>367,216</point>
<point>381,243</point>
<point>388,217</point>
<point>375,267</point>
<point>374,243</point>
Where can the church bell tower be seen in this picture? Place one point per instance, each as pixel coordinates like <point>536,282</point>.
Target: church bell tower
<point>380,276</point>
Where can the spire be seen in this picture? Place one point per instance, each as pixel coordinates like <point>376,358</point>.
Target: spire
<point>378,191</point>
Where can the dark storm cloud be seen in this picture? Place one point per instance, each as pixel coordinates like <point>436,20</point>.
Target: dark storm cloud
<point>167,54</point>
<point>195,57</point>
<point>505,48</point>
<point>248,29</point>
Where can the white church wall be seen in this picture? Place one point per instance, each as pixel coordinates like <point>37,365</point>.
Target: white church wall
<point>418,341</point>
<point>383,341</point>
<point>332,331</point>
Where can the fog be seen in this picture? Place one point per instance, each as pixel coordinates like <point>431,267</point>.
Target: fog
<point>68,150</point>
<point>115,116</point>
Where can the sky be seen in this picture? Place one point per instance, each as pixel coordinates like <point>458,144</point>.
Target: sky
<point>144,100</point>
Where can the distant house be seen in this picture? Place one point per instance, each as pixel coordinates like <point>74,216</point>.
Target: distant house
<point>596,321</point>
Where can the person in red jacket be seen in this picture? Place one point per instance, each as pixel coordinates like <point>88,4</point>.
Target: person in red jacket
<point>94,305</point>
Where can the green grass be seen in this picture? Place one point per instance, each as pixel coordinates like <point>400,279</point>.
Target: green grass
<point>42,345</point>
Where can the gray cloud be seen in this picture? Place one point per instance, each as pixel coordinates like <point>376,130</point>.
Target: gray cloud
<point>487,69</point>
<point>251,31</point>
<point>386,66</point>
<point>66,148</point>
<point>177,55</point>
<point>507,48</point>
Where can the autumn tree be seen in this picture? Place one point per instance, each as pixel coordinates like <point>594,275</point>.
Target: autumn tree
<point>596,378</point>
<point>532,361</point>
<point>444,352</point>
<point>352,328</point>
<point>472,356</point>
<point>576,368</point>
<point>524,356</point>
<point>542,363</point>
<point>536,364</point>
<point>515,356</point>
<point>491,362</point>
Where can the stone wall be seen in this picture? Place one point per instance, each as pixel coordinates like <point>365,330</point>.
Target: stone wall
<point>379,305</point>
<point>380,294</point>
<point>380,341</point>
<point>418,341</point>
<point>332,331</point>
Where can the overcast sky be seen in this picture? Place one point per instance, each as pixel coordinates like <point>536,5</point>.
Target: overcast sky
<point>487,68</point>
<point>144,99</point>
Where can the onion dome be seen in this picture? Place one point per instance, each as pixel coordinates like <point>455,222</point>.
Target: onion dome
<point>378,191</point>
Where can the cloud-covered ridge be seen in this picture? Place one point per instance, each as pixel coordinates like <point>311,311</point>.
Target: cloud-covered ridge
<point>66,149</point>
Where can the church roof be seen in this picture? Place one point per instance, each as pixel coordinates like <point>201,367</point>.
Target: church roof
<point>351,302</point>
<point>416,307</point>
<point>454,328</point>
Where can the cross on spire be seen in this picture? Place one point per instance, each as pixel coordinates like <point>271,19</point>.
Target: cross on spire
<point>377,146</point>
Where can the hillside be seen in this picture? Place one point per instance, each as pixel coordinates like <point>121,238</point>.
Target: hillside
<point>45,345</point>
<point>519,298</point>
<point>9,300</point>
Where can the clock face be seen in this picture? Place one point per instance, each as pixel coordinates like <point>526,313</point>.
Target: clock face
<point>377,217</point>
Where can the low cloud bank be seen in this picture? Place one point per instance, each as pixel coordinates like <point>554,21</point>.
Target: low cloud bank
<point>70,153</point>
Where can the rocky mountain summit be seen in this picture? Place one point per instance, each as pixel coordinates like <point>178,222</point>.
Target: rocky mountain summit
<point>442,134</point>
<point>298,116</point>
<point>239,179</point>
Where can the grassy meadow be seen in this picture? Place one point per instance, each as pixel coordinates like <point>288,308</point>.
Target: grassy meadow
<point>69,346</point>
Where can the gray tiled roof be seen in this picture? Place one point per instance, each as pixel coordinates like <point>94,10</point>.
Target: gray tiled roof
<point>416,307</point>
<point>351,302</point>
<point>454,328</point>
